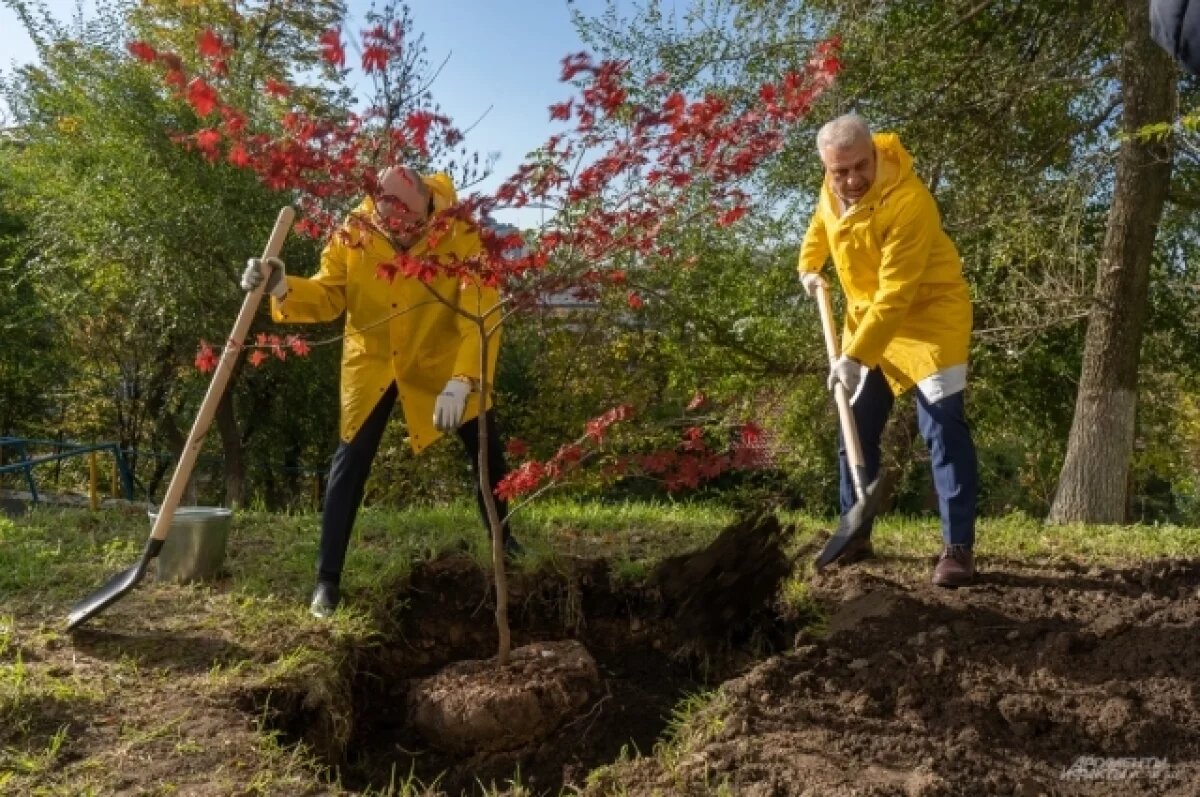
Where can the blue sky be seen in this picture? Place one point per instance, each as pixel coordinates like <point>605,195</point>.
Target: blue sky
<point>503,55</point>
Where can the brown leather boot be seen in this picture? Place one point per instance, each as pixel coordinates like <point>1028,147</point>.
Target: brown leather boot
<point>955,567</point>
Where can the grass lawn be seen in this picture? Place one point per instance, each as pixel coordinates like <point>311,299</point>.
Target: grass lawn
<point>172,686</point>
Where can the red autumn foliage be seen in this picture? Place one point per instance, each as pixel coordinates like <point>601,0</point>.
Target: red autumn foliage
<point>209,45</point>
<point>277,89</point>
<point>374,58</point>
<point>332,49</point>
<point>206,359</point>
<point>647,157</point>
<point>201,96</point>
<point>142,52</point>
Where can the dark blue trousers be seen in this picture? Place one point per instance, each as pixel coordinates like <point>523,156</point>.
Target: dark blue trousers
<point>951,453</point>
<point>352,465</point>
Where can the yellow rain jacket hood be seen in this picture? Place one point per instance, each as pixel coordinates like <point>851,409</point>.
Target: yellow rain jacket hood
<point>396,331</point>
<point>908,308</point>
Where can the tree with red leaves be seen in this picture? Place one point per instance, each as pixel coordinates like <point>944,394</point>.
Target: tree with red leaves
<point>625,173</point>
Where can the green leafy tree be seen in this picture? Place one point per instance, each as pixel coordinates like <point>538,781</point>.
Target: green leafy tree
<point>1013,112</point>
<point>139,242</point>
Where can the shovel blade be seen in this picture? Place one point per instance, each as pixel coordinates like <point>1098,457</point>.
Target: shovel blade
<point>854,525</point>
<point>113,590</point>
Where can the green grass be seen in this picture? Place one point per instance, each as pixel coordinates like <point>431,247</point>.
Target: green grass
<point>1022,538</point>
<point>210,645</point>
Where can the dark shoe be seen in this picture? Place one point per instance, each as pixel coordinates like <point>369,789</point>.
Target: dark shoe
<point>955,567</point>
<point>325,599</point>
<point>857,551</point>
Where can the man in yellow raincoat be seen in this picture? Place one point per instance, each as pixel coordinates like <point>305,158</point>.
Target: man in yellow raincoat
<point>908,319</point>
<point>401,341</point>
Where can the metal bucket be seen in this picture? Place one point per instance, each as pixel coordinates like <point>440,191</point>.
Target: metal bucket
<point>195,546</point>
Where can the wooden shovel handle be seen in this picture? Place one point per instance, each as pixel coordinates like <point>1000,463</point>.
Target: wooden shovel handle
<point>840,397</point>
<point>216,388</point>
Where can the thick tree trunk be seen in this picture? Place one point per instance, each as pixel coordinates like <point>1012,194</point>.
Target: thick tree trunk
<point>1093,485</point>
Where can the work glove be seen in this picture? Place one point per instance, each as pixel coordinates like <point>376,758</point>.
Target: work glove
<point>451,405</point>
<point>851,373</point>
<point>811,280</point>
<point>276,281</point>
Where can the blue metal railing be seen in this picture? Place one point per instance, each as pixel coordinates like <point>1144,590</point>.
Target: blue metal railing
<point>65,450</point>
<point>27,463</point>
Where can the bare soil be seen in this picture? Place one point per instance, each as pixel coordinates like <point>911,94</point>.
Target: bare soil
<point>1040,680</point>
<point>1050,678</point>
<point>655,642</point>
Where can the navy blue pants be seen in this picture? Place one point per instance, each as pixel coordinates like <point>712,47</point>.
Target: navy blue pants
<point>352,465</point>
<point>951,453</point>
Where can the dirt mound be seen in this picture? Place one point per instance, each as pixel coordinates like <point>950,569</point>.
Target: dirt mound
<point>713,590</point>
<point>680,631</point>
<point>1061,681</point>
<point>480,705</point>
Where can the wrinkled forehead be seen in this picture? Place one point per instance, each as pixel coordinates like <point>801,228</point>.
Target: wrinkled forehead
<point>847,157</point>
<point>403,183</point>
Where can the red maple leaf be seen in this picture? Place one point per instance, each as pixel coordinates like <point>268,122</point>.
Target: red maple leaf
<point>732,215</point>
<point>751,433</point>
<point>207,141</point>
<point>238,156</point>
<point>142,51</point>
<point>419,124</point>
<point>276,88</point>
<point>387,270</point>
<point>235,121</point>
<point>572,65</point>
<point>374,58</point>
<point>331,47</point>
<point>201,96</point>
<point>309,228</point>
<point>561,110</point>
<point>257,357</point>
<point>210,44</point>
<point>298,345</point>
<point>634,300</point>
<point>206,360</point>
<point>693,439</point>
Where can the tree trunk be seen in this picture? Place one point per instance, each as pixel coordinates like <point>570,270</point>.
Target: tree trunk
<point>231,448</point>
<point>1093,485</point>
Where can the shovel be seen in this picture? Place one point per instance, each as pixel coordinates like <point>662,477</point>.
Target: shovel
<point>856,523</point>
<point>126,580</point>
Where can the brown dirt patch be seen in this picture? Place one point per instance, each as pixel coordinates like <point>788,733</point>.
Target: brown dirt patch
<point>1044,679</point>
<point>482,705</point>
<point>1052,680</point>
<point>654,643</point>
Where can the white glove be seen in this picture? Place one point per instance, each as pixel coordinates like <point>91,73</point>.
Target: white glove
<point>850,373</point>
<point>451,405</point>
<point>273,269</point>
<point>811,280</point>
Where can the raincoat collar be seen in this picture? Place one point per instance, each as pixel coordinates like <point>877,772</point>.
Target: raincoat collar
<point>893,164</point>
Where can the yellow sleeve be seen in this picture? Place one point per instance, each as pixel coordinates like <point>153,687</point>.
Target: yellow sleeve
<point>321,297</point>
<point>904,255</point>
<point>815,249</point>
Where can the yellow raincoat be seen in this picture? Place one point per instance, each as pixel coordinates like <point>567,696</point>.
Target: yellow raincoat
<point>908,309</point>
<point>396,332</point>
